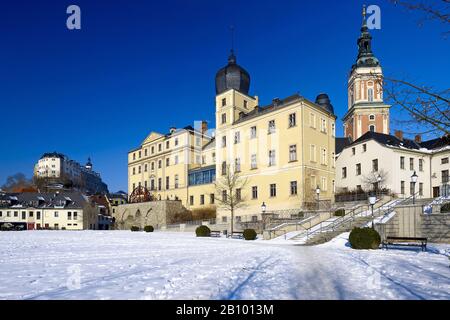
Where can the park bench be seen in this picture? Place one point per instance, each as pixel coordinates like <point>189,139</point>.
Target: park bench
<point>406,241</point>
<point>215,234</point>
<point>237,235</point>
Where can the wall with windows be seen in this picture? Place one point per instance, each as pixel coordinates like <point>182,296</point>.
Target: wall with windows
<point>162,163</point>
<point>273,152</point>
<point>53,218</point>
<point>396,173</point>
<point>440,173</point>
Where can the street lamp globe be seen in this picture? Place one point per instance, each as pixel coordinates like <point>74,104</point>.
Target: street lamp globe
<point>317,190</point>
<point>379,179</point>
<point>263,207</point>
<point>414,177</point>
<point>372,200</point>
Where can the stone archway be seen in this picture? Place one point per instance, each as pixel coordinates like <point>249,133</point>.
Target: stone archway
<point>138,218</point>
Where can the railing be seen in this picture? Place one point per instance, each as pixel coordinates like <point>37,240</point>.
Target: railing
<point>359,196</point>
<point>304,224</point>
<point>350,217</point>
<point>333,225</point>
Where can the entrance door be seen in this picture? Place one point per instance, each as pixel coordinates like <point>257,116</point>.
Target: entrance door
<point>30,226</point>
<point>435,192</point>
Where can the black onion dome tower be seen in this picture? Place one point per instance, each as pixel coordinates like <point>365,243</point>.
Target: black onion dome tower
<point>232,76</point>
<point>366,58</point>
<point>324,101</point>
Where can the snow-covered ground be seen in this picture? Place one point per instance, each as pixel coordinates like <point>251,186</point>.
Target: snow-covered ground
<point>165,265</point>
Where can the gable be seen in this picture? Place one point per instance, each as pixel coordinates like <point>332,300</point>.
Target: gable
<point>152,137</point>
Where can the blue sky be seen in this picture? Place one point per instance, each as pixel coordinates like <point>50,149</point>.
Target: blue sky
<point>141,66</point>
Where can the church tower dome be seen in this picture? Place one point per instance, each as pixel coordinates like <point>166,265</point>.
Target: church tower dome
<point>232,76</point>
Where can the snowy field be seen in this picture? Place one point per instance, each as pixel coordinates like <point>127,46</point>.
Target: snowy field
<point>163,265</point>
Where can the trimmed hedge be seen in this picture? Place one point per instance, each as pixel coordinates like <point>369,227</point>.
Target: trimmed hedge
<point>203,231</point>
<point>364,238</point>
<point>135,228</point>
<point>249,234</point>
<point>445,208</point>
<point>339,213</point>
<point>149,229</point>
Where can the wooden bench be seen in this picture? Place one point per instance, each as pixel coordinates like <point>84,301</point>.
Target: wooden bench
<point>406,241</point>
<point>215,234</point>
<point>237,235</point>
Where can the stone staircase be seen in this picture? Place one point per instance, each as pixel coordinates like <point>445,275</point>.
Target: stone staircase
<point>332,227</point>
<point>328,235</point>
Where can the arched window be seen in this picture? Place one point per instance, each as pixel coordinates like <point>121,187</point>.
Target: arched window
<point>370,94</point>
<point>372,128</point>
<point>372,117</point>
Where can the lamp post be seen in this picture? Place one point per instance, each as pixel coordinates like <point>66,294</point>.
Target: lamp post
<point>372,200</point>
<point>378,184</point>
<point>263,215</point>
<point>318,197</point>
<point>414,180</point>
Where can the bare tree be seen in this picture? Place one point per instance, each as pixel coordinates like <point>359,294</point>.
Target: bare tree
<point>437,10</point>
<point>420,104</point>
<point>423,105</point>
<point>375,178</point>
<point>228,191</point>
<point>17,183</point>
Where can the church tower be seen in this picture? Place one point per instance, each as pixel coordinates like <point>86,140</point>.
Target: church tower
<point>366,109</point>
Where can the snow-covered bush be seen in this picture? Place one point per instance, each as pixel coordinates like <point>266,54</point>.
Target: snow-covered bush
<point>203,231</point>
<point>249,234</point>
<point>364,238</point>
<point>149,229</point>
<point>135,228</point>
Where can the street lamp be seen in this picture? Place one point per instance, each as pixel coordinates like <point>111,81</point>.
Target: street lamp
<point>372,200</point>
<point>263,215</point>
<point>414,180</point>
<point>378,183</point>
<point>318,197</point>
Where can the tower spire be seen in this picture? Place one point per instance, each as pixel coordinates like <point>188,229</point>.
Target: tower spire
<point>364,13</point>
<point>365,54</point>
<point>232,56</point>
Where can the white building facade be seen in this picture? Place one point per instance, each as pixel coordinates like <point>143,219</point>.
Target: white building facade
<point>379,161</point>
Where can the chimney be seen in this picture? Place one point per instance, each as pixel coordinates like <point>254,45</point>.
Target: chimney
<point>399,134</point>
<point>276,102</point>
<point>204,126</point>
<point>418,138</point>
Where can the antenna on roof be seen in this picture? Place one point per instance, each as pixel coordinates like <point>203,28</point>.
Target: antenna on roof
<point>232,37</point>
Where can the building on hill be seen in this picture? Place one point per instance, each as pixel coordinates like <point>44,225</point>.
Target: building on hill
<point>395,159</point>
<point>55,170</point>
<point>63,210</point>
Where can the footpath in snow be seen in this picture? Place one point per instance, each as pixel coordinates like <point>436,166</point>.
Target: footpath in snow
<point>165,265</point>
